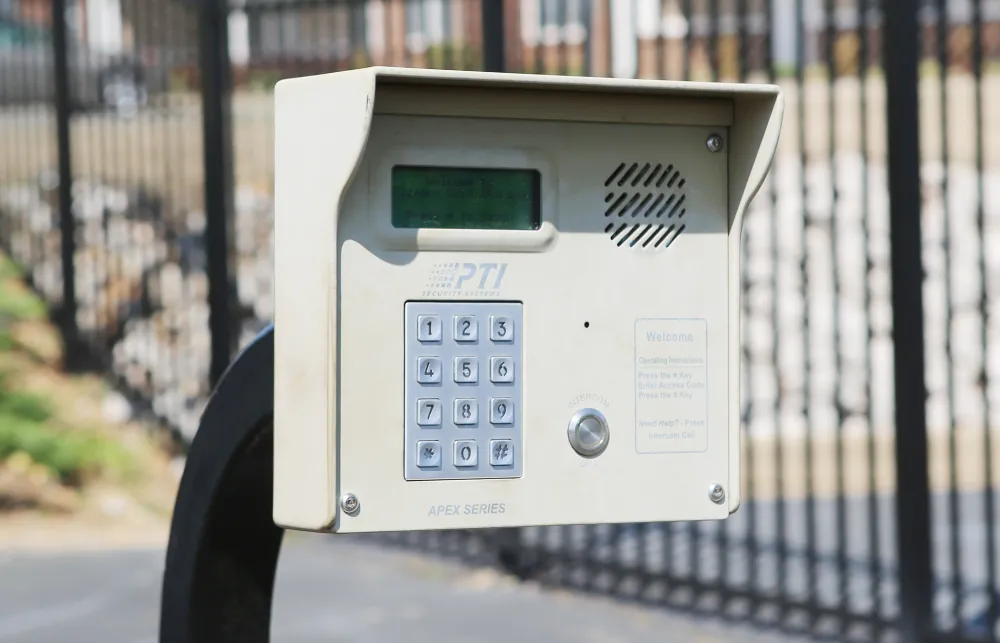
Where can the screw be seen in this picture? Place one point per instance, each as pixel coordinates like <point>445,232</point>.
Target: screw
<point>714,143</point>
<point>717,494</point>
<point>350,504</point>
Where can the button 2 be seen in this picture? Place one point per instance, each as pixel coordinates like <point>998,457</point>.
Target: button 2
<point>501,369</point>
<point>428,454</point>
<point>501,328</point>
<point>429,412</point>
<point>466,411</point>
<point>466,328</point>
<point>428,370</point>
<point>466,370</point>
<point>466,453</point>
<point>428,328</point>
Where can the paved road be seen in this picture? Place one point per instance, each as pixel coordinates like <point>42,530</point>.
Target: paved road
<point>329,590</point>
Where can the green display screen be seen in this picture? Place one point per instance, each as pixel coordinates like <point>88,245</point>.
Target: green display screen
<point>465,198</point>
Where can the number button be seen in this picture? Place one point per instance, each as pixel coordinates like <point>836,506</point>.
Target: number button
<point>428,454</point>
<point>466,412</point>
<point>501,370</point>
<point>428,328</point>
<point>501,410</point>
<point>429,412</point>
<point>501,453</point>
<point>466,453</point>
<point>466,370</point>
<point>501,328</point>
<point>466,328</point>
<point>428,370</point>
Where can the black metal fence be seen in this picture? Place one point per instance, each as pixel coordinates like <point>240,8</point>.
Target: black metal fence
<point>869,508</point>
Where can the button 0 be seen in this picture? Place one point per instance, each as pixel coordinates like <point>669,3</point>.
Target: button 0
<point>466,328</point>
<point>466,411</point>
<point>428,328</point>
<point>428,454</point>
<point>588,433</point>
<point>428,370</point>
<point>501,328</point>
<point>501,370</point>
<point>466,453</point>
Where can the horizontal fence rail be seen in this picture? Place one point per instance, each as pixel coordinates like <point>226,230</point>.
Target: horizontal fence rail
<point>814,546</point>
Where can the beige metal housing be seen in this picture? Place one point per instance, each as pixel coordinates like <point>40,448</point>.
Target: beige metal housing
<point>647,333</point>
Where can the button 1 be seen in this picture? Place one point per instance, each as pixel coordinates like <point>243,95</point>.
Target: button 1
<point>429,412</point>
<point>466,453</point>
<point>501,453</point>
<point>588,433</point>
<point>501,410</point>
<point>501,369</point>
<point>466,411</point>
<point>428,454</point>
<point>428,328</point>
<point>428,370</point>
<point>501,328</point>
<point>466,370</point>
<point>466,328</point>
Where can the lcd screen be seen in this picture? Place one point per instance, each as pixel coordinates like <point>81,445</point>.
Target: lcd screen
<point>465,198</point>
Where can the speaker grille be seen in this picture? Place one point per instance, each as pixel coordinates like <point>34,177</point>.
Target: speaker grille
<point>644,205</point>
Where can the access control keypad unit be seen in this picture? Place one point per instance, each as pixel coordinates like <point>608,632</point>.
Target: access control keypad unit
<point>463,390</point>
<point>507,300</point>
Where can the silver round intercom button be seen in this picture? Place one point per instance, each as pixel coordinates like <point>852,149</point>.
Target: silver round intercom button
<point>588,433</point>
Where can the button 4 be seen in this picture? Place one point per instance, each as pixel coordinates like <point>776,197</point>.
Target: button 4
<point>429,370</point>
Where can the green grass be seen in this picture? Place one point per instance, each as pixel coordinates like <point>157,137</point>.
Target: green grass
<point>27,426</point>
<point>27,420</point>
<point>16,301</point>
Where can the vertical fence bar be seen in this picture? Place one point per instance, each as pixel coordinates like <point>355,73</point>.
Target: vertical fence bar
<point>912,498</point>
<point>213,43</point>
<point>67,225</point>
<point>811,579</point>
<point>493,35</point>
<point>840,505</point>
<point>954,510</point>
<point>984,312</point>
<point>874,548</point>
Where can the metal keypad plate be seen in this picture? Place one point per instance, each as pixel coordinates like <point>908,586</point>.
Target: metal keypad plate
<point>463,390</point>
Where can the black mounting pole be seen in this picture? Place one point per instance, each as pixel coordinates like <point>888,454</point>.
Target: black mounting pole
<point>218,581</point>
<point>66,313</point>
<point>493,35</point>
<point>216,94</point>
<point>901,59</point>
